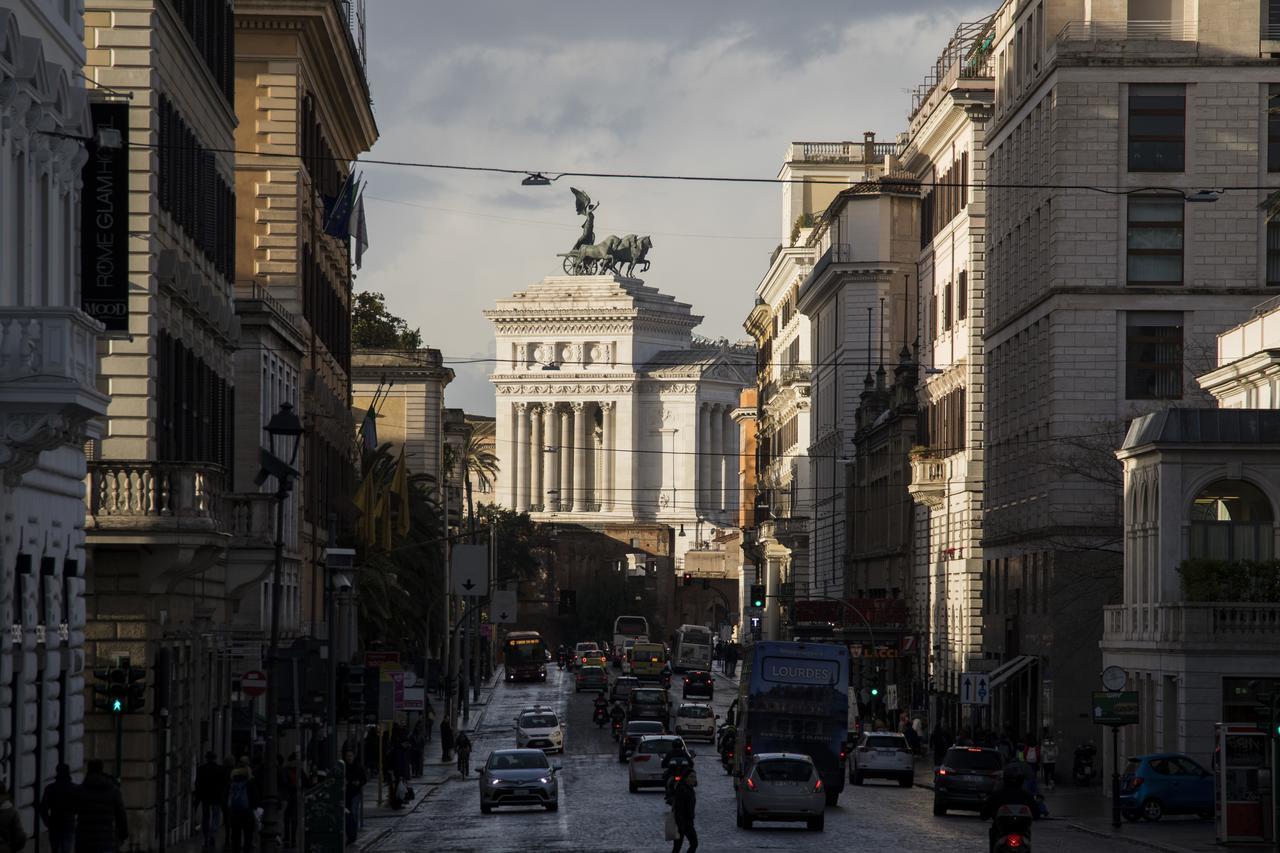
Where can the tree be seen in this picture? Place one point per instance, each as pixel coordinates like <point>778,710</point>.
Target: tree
<point>374,327</point>
<point>479,462</point>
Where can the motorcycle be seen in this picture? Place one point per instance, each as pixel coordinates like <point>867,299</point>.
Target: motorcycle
<point>1012,830</point>
<point>601,716</point>
<point>617,729</point>
<point>677,766</point>
<point>1082,767</point>
<point>727,738</point>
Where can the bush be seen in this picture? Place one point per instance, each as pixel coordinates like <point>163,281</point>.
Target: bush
<point>1250,581</point>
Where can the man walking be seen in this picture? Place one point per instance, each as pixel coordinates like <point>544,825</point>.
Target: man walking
<point>211,793</point>
<point>684,803</point>
<point>101,822</point>
<point>58,811</point>
<point>355,779</point>
<point>446,740</point>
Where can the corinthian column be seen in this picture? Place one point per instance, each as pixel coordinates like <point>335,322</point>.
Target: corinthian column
<point>702,492</point>
<point>566,458</point>
<point>607,454</point>
<point>716,416</point>
<point>581,437</point>
<point>535,454</point>
<point>522,443</point>
<point>551,461</point>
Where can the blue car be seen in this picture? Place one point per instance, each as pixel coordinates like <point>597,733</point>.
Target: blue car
<point>1165,783</point>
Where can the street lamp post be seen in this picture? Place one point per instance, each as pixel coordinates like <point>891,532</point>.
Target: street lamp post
<point>285,431</point>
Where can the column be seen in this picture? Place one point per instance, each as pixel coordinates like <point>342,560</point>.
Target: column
<point>732,464</point>
<point>566,458</point>
<point>551,461</point>
<point>536,454</point>
<point>716,416</point>
<point>607,454</point>
<point>702,491</point>
<point>580,438</point>
<point>522,443</point>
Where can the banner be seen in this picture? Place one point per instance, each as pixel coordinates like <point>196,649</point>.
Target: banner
<point>104,219</point>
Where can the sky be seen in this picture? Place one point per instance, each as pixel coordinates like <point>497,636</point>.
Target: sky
<point>699,87</point>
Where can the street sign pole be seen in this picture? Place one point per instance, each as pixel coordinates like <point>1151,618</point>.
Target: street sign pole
<point>120,747</point>
<point>1115,777</point>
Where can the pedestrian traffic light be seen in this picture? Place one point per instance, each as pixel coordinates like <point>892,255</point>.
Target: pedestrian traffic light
<point>102,690</point>
<point>688,579</point>
<point>757,595</point>
<point>117,689</point>
<point>136,693</point>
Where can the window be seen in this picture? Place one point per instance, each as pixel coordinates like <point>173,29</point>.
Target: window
<point>1231,520</point>
<point>1153,355</point>
<point>933,315</point>
<point>1273,252</point>
<point>946,307</point>
<point>1155,240</point>
<point>962,296</point>
<point>1157,127</point>
<point>1273,124</point>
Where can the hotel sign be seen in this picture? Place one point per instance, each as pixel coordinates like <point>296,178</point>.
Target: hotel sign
<point>104,220</point>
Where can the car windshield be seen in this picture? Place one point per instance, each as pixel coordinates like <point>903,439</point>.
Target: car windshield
<point>517,761</point>
<point>982,760</point>
<point>539,721</point>
<point>586,647</point>
<point>658,746</point>
<point>644,728</point>
<point>699,711</point>
<point>647,696</point>
<point>886,741</point>
<point>784,770</point>
<point>591,672</point>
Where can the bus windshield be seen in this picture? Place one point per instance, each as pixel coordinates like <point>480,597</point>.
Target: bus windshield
<point>525,651</point>
<point>631,626</point>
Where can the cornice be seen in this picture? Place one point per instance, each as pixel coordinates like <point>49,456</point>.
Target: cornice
<point>561,390</point>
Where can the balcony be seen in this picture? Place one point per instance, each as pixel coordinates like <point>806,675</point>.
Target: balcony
<point>1207,627</point>
<point>928,477</point>
<point>796,375</point>
<point>840,152</point>
<point>155,498</point>
<point>1144,39</point>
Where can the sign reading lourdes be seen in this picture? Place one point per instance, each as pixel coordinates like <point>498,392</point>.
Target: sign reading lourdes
<point>587,257</point>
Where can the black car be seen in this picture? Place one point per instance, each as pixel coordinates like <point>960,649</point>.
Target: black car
<point>636,729</point>
<point>966,777</point>
<point>698,683</point>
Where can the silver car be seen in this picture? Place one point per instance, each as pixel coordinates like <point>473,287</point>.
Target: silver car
<point>645,768</point>
<point>518,777</point>
<point>883,755</point>
<point>781,786</point>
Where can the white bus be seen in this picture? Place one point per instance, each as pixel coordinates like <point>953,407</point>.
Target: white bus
<point>633,628</point>
<point>692,649</point>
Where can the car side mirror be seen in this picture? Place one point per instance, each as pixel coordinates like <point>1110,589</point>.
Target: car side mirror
<point>693,754</point>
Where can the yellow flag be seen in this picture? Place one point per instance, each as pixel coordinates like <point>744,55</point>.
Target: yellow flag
<point>400,488</point>
<point>382,521</point>
<point>364,502</point>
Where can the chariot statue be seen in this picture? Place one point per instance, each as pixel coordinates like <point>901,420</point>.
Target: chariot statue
<point>610,255</point>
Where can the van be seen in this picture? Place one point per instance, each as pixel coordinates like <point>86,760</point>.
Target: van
<point>647,660</point>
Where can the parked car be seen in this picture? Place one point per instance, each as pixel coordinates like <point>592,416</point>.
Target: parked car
<point>633,731</point>
<point>1153,786</point>
<point>883,755</point>
<point>645,768</point>
<point>591,678</point>
<point>648,703</point>
<point>518,777</point>
<point>539,729</point>
<point>966,777</point>
<point>622,687</point>
<point>780,786</point>
<point>698,683</point>
<point>695,720</point>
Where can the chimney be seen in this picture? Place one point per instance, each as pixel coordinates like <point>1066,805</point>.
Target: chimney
<point>869,146</point>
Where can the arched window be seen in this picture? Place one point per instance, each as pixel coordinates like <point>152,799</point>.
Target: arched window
<point>1231,520</point>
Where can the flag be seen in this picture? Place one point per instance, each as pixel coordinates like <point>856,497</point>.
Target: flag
<point>382,520</point>
<point>361,230</point>
<point>364,502</point>
<point>400,488</point>
<point>369,429</point>
<point>337,209</point>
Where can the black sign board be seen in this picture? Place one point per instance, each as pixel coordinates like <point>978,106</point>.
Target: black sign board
<point>104,219</point>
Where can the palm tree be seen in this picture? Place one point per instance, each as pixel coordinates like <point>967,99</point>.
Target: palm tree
<point>478,462</point>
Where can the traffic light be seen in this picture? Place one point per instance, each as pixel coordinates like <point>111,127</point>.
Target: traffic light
<point>136,692</point>
<point>877,676</point>
<point>757,595</point>
<point>688,579</point>
<point>102,690</point>
<point>117,689</point>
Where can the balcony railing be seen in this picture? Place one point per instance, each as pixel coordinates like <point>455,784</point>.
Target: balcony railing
<point>1228,625</point>
<point>1126,31</point>
<point>142,495</point>
<point>251,517</point>
<point>41,345</point>
<point>929,476</point>
<point>795,374</point>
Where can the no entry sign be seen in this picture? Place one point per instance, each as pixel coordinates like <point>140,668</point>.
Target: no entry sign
<point>253,683</point>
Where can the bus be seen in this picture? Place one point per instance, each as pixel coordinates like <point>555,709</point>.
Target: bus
<point>634,628</point>
<point>793,697</point>
<point>525,656</point>
<point>692,649</point>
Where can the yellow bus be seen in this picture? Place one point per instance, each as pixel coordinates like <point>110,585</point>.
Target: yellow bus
<point>647,660</point>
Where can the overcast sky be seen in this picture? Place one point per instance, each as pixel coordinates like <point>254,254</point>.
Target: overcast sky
<point>694,87</point>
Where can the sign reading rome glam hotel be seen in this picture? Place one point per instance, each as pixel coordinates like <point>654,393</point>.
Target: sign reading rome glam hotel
<point>104,220</point>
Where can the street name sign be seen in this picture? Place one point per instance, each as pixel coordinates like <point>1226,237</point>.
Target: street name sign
<point>470,570</point>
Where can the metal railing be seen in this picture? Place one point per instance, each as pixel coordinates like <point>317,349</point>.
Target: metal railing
<point>1129,31</point>
<point>142,494</point>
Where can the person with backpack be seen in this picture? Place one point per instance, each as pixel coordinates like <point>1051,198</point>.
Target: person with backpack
<point>211,795</point>
<point>242,799</point>
<point>58,810</point>
<point>102,825</point>
<point>12,836</point>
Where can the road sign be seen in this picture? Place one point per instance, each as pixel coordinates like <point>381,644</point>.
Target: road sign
<point>253,683</point>
<point>470,570</point>
<point>975,688</point>
<point>1115,708</point>
<point>503,608</point>
<point>414,699</point>
<point>891,696</point>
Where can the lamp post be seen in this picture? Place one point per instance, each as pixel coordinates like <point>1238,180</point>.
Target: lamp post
<point>285,432</point>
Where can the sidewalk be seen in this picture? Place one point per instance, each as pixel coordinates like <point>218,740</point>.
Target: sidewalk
<point>1088,810</point>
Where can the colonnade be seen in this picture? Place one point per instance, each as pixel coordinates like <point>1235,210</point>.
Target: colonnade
<point>564,456</point>
<point>717,487</point>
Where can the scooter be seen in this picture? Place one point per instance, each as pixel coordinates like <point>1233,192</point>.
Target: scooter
<point>677,767</point>
<point>601,716</point>
<point>617,729</point>
<point>1082,768</point>
<point>1012,830</point>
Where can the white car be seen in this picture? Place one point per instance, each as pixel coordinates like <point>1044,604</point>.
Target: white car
<point>645,767</point>
<point>780,786</point>
<point>696,720</point>
<point>883,755</point>
<point>539,728</point>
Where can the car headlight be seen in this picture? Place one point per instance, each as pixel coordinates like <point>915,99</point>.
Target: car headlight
<point>544,780</point>
<point>495,781</point>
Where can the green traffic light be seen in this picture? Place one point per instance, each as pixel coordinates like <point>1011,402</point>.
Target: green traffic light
<point>875,691</point>
<point>116,706</point>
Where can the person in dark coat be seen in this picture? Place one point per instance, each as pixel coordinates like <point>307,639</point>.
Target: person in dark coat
<point>355,781</point>
<point>446,740</point>
<point>242,799</point>
<point>12,836</point>
<point>101,822</point>
<point>940,741</point>
<point>212,780</point>
<point>417,746</point>
<point>58,810</point>
<point>684,803</point>
<point>398,769</point>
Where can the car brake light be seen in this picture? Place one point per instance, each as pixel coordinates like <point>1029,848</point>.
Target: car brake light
<point>975,749</point>
<point>1135,783</point>
<point>942,771</point>
<point>751,784</point>
<point>748,746</point>
<point>817,787</point>
<point>1012,841</point>
<point>843,755</point>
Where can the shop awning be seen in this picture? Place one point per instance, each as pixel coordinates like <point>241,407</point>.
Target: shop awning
<point>1009,669</point>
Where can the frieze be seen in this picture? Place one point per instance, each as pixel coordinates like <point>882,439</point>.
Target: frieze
<point>563,390</point>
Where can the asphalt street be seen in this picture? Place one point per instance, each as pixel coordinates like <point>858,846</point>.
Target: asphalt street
<point>597,814</point>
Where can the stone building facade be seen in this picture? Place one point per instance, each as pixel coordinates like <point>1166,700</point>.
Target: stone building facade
<point>48,397</point>
<point>410,387</point>
<point>1100,307</point>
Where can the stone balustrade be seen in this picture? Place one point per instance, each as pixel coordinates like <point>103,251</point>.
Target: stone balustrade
<point>928,477</point>
<point>145,495</point>
<point>251,517</point>
<point>43,344</point>
<point>1207,625</point>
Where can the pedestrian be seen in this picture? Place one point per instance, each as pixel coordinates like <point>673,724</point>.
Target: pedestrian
<point>446,740</point>
<point>417,746</point>
<point>398,768</point>
<point>463,746</point>
<point>58,810</point>
<point>684,803</point>
<point>939,742</point>
<point>101,822</point>
<point>293,779</point>
<point>1049,759</point>
<point>211,795</point>
<point>228,765</point>
<point>1031,756</point>
<point>428,714</point>
<point>242,799</point>
<point>12,836</point>
<point>355,782</point>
